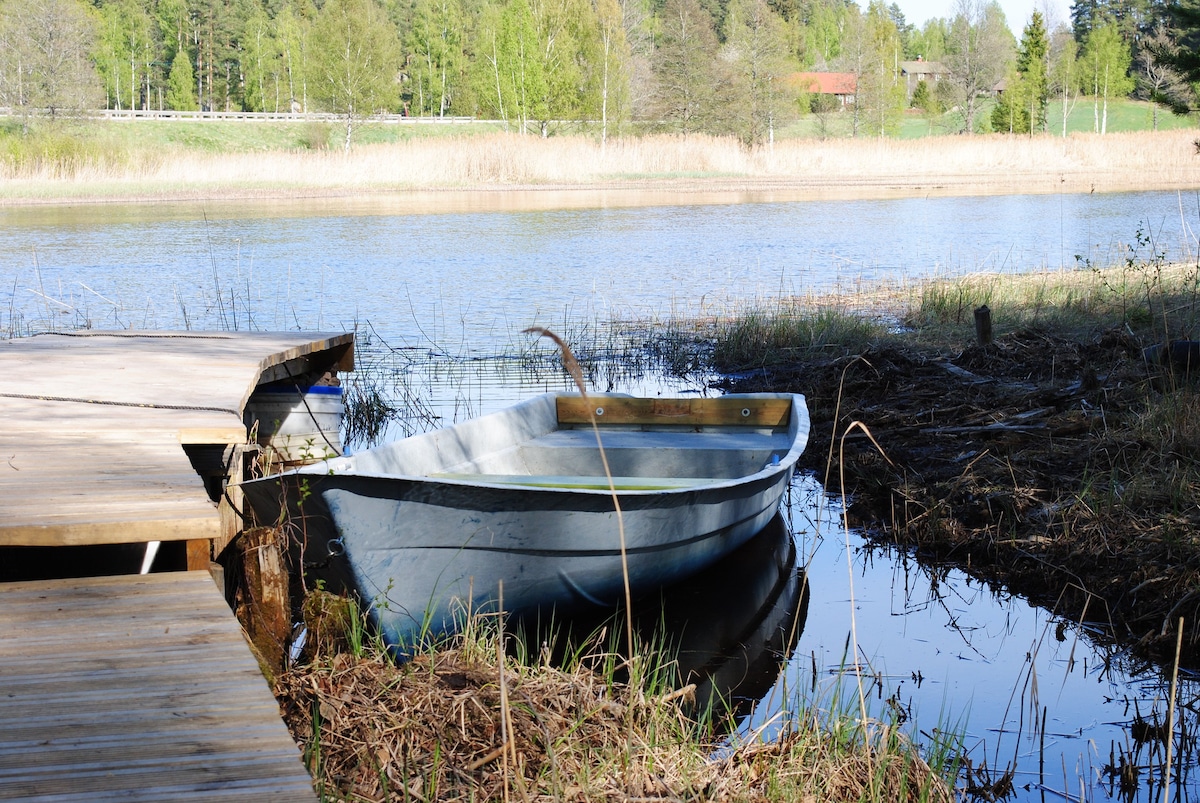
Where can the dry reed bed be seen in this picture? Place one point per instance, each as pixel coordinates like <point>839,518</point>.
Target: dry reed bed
<point>448,727</point>
<point>1143,160</point>
<point>1055,461</point>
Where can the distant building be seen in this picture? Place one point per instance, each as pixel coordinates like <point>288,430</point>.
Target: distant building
<point>842,85</point>
<point>914,72</point>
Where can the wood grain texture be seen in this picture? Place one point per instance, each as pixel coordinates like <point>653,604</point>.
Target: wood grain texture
<point>136,688</point>
<point>94,424</point>
<point>719,411</point>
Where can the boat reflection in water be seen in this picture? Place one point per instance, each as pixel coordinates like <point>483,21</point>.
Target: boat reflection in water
<point>728,628</point>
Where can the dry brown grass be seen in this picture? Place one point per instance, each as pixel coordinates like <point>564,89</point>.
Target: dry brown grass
<point>435,729</point>
<point>793,168</point>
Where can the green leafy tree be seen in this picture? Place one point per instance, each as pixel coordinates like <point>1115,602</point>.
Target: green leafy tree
<point>522,70</point>
<point>928,102</point>
<point>1064,71</point>
<point>125,51</point>
<point>873,52</point>
<point>1106,61</point>
<point>686,74</point>
<point>1033,63</point>
<point>260,64</point>
<point>437,64</point>
<point>614,71</point>
<point>930,41</point>
<point>181,84</point>
<point>757,53</point>
<point>1021,109</point>
<point>1010,115</point>
<point>568,35</point>
<point>292,31</point>
<point>978,54</point>
<point>822,32</point>
<point>356,61</point>
<point>45,64</point>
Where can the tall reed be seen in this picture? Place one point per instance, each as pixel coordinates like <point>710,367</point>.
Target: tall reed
<point>980,164</point>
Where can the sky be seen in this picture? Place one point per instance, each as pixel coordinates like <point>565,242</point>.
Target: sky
<point>1017,12</point>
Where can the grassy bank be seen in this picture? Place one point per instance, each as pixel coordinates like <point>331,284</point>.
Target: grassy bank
<point>468,721</point>
<point>63,164</point>
<point>1123,116</point>
<point>1061,459</point>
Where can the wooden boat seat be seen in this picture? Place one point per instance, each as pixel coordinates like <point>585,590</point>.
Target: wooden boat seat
<point>612,439</point>
<point>581,482</point>
<point>721,410</point>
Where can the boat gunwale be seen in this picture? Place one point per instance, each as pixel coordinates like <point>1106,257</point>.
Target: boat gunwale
<point>796,430</point>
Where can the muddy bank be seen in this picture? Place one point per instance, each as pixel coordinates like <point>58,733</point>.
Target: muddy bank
<point>1031,463</point>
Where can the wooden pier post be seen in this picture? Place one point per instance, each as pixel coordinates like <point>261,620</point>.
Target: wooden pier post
<point>983,325</point>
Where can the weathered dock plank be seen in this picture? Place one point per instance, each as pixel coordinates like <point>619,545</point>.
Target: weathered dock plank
<point>92,448</point>
<point>136,688</point>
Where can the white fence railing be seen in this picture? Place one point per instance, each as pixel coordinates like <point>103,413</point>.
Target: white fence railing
<point>280,117</point>
<point>288,117</point>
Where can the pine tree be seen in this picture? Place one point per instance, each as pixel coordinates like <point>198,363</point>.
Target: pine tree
<point>1179,51</point>
<point>1033,65</point>
<point>181,87</point>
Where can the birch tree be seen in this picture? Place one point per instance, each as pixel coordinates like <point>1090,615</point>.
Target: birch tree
<point>1064,70</point>
<point>437,62</point>
<point>356,59</point>
<point>125,50</point>
<point>978,54</point>
<point>615,65</point>
<point>45,61</point>
<point>756,50</point>
<point>1106,60</point>
<point>685,72</point>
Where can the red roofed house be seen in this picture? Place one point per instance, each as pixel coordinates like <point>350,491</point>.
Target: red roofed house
<point>842,85</point>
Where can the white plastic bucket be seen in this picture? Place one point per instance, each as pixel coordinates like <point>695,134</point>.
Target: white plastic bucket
<point>297,427</point>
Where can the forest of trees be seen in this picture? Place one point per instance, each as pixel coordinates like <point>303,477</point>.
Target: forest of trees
<point>717,66</point>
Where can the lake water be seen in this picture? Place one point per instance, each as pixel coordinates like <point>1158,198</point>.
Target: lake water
<point>467,283</point>
<point>451,293</point>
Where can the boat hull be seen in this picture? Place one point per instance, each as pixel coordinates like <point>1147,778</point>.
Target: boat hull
<point>424,553</point>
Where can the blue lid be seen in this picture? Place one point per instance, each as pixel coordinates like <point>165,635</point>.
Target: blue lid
<point>315,390</point>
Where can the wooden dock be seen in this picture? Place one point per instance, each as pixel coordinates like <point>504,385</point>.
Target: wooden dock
<point>95,425</point>
<point>135,687</point>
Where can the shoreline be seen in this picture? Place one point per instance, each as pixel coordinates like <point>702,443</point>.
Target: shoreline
<point>631,192</point>
<point>287,202</point>
<point>517,173</point>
